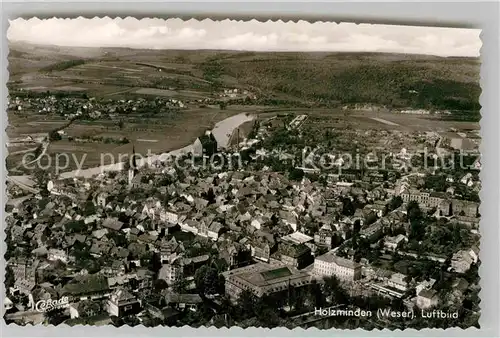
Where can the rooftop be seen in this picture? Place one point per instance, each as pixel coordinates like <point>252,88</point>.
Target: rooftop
<point>297,238</point>
<point>293,250</point>
<point>329,257</point>
<point>427,293</point>
<point>276,273</point>
<point>183,298</point>
<point>262,278</point>
<point>85,284</point>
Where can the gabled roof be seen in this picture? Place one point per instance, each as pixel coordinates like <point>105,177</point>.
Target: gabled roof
<point>215,227</point>
<point>112,223</point>
<point>84,284</point>
<point>330,257</point>
<point>195,260</point>
<point>187,298</point>
<point>427,293</point>
<point>293,250</point>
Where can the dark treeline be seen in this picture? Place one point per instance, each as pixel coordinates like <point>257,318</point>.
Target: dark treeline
<point>63,65</point>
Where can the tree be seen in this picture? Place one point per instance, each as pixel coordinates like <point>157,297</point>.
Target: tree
<point>333,289</point>
<point>348,208</point>
<point>417,229</point>
<point>395,202</point>
<point>207,280</point>
<point>297,298</point>
<point>118,238</point>
<point>55,317</point>
<point>76,226</point>
<point>54,135</point>
<point>159,285</point>
<point>356,228</point>
<point>209,196</point>
<point>89,208</point>
<point>9,277</point>
<point>127,165</point>
<point>38,151</point>
<point>41,178</point>
<point>268,317</point>
<point>155,263</point>
<point>246,304</point>
<point>435,182</point>
<point>316,295</point>
<point>413,211</point>
<point>180,284</point>
<point>131,320</point>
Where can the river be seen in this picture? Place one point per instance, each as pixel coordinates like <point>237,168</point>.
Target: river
<point>222,132</point>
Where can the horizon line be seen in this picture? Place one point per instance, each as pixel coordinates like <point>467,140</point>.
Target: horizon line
<point>247,50</point>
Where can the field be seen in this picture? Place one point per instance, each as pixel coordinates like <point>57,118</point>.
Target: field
<point>408,122</point>
<point>341,119</point>
<point>181,94</point>
<point>22,125</point>
<point>389,79</point>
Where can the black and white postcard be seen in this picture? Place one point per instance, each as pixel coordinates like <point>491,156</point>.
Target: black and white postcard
<point>242,174</point>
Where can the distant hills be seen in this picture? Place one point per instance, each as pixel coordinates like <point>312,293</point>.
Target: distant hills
<point>395,80</point>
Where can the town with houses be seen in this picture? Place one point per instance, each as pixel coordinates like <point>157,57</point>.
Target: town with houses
<point>251,234</point>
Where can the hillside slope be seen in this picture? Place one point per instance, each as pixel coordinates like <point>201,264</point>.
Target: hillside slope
<point>326,78</point>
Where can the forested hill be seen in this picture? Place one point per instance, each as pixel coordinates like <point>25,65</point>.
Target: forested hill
<point>394,80</point>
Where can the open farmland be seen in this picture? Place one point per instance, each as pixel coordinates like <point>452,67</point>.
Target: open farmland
<point>415,122</point>
<point>147,135</point>
<point>32,124</point>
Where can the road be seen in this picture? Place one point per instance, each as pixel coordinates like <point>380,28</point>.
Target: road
<point>119,92</point>
<point>389,123</point>
<point>23,151</point>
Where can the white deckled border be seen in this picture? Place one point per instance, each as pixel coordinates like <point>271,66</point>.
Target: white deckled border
<point>483,16</point>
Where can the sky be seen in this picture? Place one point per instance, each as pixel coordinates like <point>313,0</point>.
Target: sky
<point>250,35</point>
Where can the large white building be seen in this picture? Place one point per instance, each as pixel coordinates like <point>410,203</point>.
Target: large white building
<point>331,265</point>
<point>264,279</point>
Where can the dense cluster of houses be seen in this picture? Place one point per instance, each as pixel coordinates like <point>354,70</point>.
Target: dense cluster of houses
<point>71,107</point>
